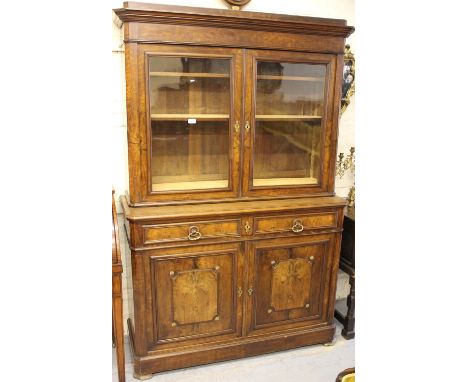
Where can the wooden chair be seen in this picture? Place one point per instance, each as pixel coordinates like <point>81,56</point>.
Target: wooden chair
<point>117,307</point>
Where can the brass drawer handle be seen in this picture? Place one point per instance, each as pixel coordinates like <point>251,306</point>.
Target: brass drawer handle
<point>194,233</point>
<point>297,226</point>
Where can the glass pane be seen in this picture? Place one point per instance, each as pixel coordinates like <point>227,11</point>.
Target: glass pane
<point>190,110</point>
<point>288,129</point>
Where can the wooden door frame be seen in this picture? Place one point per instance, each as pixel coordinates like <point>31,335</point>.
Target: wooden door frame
<point>329,123</point>
<point>139,121</point>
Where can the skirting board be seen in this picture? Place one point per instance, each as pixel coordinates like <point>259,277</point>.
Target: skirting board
<point>243,347</point>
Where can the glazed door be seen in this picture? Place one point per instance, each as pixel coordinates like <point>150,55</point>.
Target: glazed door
<point>288,135</point>
<point>289,283</point>
<point>192,97</point>
<point>196,294</point>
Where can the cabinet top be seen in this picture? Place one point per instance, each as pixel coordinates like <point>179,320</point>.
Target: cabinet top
<point>226,18</point>
<point>228,209</point>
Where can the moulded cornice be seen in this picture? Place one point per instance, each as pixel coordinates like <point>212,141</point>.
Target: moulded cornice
<point>220,18</point>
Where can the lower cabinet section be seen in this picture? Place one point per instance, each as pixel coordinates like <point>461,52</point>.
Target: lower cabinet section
<point>196,304</point>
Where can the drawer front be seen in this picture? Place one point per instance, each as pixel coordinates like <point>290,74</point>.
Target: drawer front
<point>191,231</point>
<point>295,223</point>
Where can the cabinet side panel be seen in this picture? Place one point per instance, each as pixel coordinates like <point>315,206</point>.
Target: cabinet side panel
<point>334,123</point>
<point>133,134</point>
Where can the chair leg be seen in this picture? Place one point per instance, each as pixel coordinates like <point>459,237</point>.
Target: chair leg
<point>348,326</point>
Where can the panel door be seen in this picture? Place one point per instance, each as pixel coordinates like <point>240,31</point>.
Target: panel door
<point>291,113</point>
<point>195,292</point>
<point>192,97</point>
<point>289,282</point>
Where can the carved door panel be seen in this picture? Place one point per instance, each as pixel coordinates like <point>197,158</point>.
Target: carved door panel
<point>289,282</point>
<point>289,117</point>
<point>196,293</point>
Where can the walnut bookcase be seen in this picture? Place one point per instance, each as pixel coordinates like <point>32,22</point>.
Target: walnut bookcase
<point>231,217</point>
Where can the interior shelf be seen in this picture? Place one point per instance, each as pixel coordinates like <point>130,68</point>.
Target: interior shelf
<point>182,117</point>
<point>283,117</point>
<point>289,78</point>
<point>183,74</point>
<point>284,182</point>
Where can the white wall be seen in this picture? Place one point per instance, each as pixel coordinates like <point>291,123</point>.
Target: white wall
<point>340,9</point>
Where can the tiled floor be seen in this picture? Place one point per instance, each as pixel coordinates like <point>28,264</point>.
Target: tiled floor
<point>316,363</point>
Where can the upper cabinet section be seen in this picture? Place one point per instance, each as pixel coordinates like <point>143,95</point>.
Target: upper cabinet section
<point>218,108</point>
<point>190,106</point>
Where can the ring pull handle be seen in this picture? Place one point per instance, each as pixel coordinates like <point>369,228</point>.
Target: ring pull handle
<point>194,233</point>
<point>297,226</point>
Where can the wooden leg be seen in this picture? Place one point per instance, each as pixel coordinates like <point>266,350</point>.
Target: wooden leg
<point>348,329</point>
<point>117,321</point>
<point>142,377</point>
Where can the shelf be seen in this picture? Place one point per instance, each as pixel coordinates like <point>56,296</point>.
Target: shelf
<point>282,117</point>
<point>183,117</point>
<point>284,181</point>
<point>290,78</point>
<point>182,74</point>
<point>200,185</point>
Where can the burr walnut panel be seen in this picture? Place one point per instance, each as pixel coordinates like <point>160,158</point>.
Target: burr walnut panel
<point>290,284</point>
<point>195,296</point>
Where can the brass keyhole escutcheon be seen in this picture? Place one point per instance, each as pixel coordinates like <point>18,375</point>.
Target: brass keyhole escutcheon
<point>237,127</point>
<point>247,227</point>
<point>250,291</point>
<point>247,126</point>
<point>239,291</point>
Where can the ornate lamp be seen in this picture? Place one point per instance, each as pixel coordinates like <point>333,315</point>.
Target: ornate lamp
<point>344,164</point>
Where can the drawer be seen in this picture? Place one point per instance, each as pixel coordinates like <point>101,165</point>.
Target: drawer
<point>191,231</point>
<point>294,223</point>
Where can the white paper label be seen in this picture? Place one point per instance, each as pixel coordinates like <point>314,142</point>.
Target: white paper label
<point>192,121</point>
